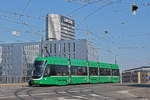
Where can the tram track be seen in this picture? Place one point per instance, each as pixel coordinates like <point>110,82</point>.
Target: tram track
<point>88,94</point>
<point>33,93</point>
<point>109,97</point>
<point>16,93</point>
<point>74,92</point>
<point>33,97</point>
<point>69,92</point>
<point>78,92</point>
<point>63,92</point>
<point>26,93</point>
<point>83,93</point>
<point>99,95</point>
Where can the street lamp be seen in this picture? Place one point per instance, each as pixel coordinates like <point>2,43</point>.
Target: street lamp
<point>116,59</point>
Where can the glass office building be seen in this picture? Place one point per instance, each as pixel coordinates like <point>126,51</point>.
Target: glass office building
<point>16,59</point>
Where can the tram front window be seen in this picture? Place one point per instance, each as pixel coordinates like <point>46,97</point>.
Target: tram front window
<point>38,69</point>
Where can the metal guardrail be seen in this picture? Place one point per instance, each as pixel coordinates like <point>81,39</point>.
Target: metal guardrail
<point>14,79</point>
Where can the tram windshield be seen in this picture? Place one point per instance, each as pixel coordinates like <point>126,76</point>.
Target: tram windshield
<point>38,69</point>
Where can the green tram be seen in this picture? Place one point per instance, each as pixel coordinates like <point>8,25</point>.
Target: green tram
<point>63,71</point>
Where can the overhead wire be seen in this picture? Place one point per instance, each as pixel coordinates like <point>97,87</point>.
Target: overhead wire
<point>83,6</point>
<point>15,22</point>
<point>106,4</point>
<point>17,15</point>
<point>13,17</point>
<point>96,37</point>
<point>27,5</point>
<point>98,9</point>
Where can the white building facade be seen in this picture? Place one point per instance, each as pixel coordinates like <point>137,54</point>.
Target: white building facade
<point>59,27</point>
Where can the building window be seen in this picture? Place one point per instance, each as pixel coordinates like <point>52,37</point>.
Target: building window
<point>59,49</point>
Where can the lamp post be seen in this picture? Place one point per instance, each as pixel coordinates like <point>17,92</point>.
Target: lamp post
<point>116,59</point>
<point>120,69</point>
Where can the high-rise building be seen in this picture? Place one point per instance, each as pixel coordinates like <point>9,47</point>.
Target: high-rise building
<point>59,27</point>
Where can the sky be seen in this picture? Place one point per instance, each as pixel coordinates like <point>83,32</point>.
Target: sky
<point>108,24</point>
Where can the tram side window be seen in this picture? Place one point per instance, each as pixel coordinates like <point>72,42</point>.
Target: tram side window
<point>56,70</point>
<point>78,70</point>
<point>108,72</point>
<point>53,70</point>
<point>115,72</point>
<point>105,71</point>
<point>62,70</point>
<point>101,71</point>
<point>93,71</point>
<point>74,70</point>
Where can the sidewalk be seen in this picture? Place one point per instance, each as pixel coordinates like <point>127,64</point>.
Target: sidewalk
<point>14,85</point>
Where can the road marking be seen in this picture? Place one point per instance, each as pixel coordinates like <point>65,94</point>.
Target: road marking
<point>87,90</point>
<point>65,99</point>
<point>7,97</point>
<point>43,94</point>
<point>61,92</point>
<point>73,91</point>
<point>94,95</point>
<point>144,99</point>
<point>122,91</point>
<point>127,93</point>
<point>23,95</point>
<point>2,97</point>
<point>80,97</point>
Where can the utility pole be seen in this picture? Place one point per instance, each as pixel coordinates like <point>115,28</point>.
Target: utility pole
<point>42,46</point>
<point>115,59</point>
<point>121,76</point>
<point>69,68</point>
<point>120,69</point>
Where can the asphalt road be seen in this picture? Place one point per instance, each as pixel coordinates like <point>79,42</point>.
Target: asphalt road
<point>77,92</point>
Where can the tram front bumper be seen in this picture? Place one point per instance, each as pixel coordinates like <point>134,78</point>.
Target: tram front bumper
<point>35,82</point>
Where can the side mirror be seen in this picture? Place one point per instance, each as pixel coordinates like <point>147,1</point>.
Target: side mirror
<point>47,71</point>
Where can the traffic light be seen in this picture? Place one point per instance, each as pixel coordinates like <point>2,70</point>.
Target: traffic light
<point>134,9</point>
<point>105,32</point>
